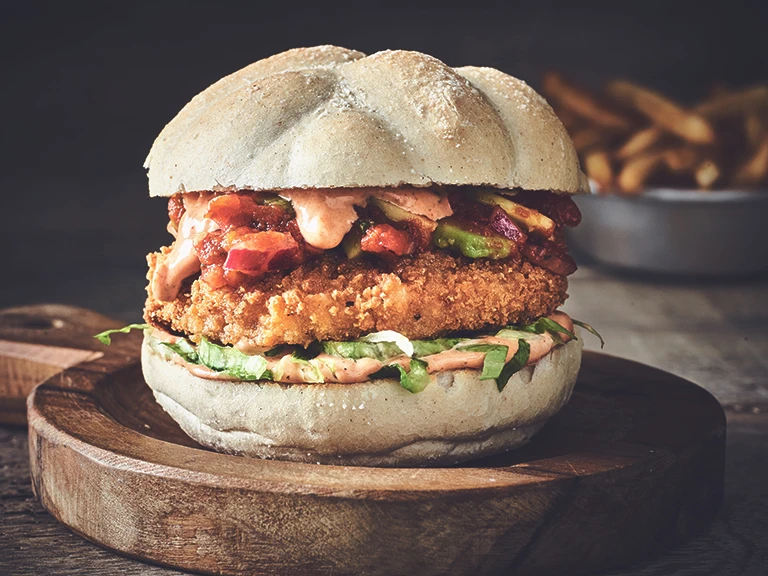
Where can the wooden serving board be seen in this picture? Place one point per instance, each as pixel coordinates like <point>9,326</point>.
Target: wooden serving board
<point>39,341</point>
<point>631,466</point>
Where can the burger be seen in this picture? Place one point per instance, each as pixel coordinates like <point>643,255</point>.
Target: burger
<point>367,262</point>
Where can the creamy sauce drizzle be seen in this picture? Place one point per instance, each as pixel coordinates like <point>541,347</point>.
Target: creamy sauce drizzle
<point>182,261</point>
<point>418,201</point>
<point>328,368</point>
<point>323,218</point>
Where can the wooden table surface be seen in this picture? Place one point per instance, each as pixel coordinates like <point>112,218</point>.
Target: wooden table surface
<point>713,333</point>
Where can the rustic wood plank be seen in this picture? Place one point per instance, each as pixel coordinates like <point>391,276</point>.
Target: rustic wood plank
<point>32,542</point>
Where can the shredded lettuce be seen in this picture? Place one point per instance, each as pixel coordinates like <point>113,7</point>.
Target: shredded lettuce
<point>416,379</point>
<point>591,330</point>
<point>493,363</point>
<point>545,324</point>
<point>105,337</point>
<point>390,336</point>
<point>548,325</point>
<point>355,350</point>
<point>230,361</point>
<point>381,346</point>
<point>279,201</point>
<point>277,350</point>
<point>183,348</point>
<point>517,363</point>
<point>328,365</point>
<point>315,376</point>
<point>511,333</point>
<point>423,348</point>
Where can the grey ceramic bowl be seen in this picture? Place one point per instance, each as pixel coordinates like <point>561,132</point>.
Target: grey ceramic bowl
<point>680,232</point>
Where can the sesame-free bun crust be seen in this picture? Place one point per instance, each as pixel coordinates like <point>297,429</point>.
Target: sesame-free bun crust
<point>457,417</point>
<point>328,117</point>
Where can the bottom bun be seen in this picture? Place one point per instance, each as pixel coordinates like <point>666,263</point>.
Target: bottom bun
<point>456,418</point>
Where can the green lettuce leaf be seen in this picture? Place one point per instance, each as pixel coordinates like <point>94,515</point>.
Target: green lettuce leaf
<point>517,363</point>
<point>591,330</point>
<point>513,333</point>
<point>545,324</point>
<point>416,379</point>
<point>383,346</point>
<point>316,377</point>
<point>493,363</point>
<point>230,361</point>
<point>183,348</point>
<point>279,201</point>
<point>105,337</point>
<point>390,336</point>
<point>423,348</point>
<point>277,350</point>
<point>327,364</point>
<point>356,350</point>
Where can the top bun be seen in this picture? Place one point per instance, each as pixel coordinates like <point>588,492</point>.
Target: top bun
<point>328,117</point>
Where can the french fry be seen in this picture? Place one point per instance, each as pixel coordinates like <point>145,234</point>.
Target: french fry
<point>682,159</point>
<point>582,103</point>
<point>587,138</point>
<point>706,174</point>
<point>750,100</point>
<point>637,170</point>
<point>597,165</point>
<point>640,142</point>
<point>754,169</point>
<point>721,142</point>
<point>662,111</point>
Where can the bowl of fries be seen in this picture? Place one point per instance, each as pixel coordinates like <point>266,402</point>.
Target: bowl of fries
<point>676,189</point>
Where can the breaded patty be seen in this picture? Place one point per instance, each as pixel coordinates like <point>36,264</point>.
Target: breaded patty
<point>424,296</point>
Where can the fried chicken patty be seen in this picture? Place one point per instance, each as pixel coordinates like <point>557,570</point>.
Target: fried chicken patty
<point>422,296</point>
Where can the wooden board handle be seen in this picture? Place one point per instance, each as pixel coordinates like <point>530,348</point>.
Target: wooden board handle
<point>39,342</point>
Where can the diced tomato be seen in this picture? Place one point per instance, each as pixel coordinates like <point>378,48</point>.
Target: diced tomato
<point>210,248</point>
<point>231,210</point>
<point>234,210</point>
<point>383,238</point>
<point>267,217</point>
<point>258,252</point>
<point>175,209</point>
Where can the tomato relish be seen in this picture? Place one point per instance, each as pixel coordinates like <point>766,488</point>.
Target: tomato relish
<point>249,234</point>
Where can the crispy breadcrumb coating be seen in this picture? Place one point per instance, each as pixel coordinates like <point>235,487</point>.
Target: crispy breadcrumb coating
<point>427,295</point>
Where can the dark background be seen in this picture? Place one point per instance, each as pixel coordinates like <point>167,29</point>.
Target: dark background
<point>86,86</point>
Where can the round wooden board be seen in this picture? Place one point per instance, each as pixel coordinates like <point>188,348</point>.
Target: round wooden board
<point>39,341</point>
<point>632,465</point>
